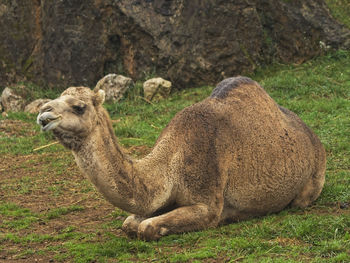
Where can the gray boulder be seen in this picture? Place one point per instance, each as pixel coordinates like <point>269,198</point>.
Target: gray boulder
<point>34,106</point>
<point>156,89</point>
<point>114,86</point>
<point>11,100</point>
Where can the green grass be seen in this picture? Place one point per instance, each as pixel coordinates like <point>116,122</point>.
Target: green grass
<point>18,218</point>
<point>62,211</point>
<point>318,91</point>
<point>340,9</point>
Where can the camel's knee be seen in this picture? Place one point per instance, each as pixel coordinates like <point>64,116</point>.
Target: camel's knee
<point>232,215</point>
<point>310,192</point>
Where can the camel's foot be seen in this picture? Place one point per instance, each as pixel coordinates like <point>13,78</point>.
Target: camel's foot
<point>149,230</point>
<point>131,225</point>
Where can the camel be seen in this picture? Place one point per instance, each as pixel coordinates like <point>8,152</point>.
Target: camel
<point>233,156</point>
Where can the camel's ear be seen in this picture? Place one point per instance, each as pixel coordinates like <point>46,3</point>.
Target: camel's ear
<point>99,97</point>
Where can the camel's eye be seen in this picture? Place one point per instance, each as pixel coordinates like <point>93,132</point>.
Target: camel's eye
<point>47,109</point>
<point>79,109</point>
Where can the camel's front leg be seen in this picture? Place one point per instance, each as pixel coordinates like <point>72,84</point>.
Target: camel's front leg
<point>182,219</point>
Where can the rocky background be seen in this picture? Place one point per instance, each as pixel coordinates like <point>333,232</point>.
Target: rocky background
<point>190,42</point>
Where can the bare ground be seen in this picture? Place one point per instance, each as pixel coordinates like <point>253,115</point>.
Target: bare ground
<point>36,192</point>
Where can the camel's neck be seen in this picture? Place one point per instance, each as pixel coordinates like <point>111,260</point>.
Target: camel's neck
<point>102,160</point>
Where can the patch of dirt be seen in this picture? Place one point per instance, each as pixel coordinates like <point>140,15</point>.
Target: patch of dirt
<point>16,128</point>
<point>334,208</point>
<point>44,183</point>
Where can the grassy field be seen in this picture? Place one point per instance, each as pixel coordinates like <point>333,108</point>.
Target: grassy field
<point>50,213</point>
<point>340,9</point>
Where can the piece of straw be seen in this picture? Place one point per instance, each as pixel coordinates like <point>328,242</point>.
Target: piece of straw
<point>45,146</point>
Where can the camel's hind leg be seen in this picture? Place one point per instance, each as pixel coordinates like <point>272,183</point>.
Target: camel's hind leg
<point>312,189</point>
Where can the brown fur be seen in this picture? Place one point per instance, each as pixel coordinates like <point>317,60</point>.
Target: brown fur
<point>233,156</point>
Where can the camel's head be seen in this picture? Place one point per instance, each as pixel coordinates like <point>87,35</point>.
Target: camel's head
<point>73,115</point>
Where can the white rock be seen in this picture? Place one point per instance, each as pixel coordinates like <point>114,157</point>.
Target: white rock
<point>156,88</point>
<point>34,106</point>
<point>11,101</point>
<point>114,86</point>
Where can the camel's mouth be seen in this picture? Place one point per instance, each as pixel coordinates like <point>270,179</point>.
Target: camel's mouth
<point>48,122</point>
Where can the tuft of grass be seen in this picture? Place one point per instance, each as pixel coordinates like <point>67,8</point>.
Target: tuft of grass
<point>114,247</point>
<point>56,213</point>
<point>16,218</point>
<point>340,10</point>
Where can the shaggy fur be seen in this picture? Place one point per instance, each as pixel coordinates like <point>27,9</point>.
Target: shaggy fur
<point>233,156</point>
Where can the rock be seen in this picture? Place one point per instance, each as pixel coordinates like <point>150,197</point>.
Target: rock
<point>11,101</point>
<point>34,106</point>
<point>156,89</point>
<point>20,29</point>
<point>114,86</point>
<point>70,43</point>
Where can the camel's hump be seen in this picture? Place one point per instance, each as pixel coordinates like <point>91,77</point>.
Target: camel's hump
<point>224,87</point>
